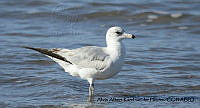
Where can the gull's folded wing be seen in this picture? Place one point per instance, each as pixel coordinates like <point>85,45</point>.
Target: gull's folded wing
<point>86,57</point>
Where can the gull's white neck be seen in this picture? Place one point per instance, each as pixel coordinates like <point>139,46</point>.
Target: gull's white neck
<point>115,48</point>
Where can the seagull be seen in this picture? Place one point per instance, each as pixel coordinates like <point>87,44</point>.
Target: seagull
<point>92,62</point>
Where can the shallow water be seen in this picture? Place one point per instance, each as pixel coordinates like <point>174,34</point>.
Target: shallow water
<point>163,61</point>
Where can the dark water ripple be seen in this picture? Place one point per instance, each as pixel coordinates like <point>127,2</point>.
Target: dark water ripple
<point>164,59</point>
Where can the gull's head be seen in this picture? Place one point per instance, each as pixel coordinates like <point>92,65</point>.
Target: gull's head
<point>117,33</point>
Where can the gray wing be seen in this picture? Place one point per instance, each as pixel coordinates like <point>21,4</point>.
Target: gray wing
<point>88,57</point>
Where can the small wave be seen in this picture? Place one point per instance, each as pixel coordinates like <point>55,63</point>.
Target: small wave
<point>39,62</point>
<point>184,68</point>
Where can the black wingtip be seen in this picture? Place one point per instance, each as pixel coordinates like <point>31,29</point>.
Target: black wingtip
<point>25,47</point>
<point>28,47</point>
<point>47,52</point>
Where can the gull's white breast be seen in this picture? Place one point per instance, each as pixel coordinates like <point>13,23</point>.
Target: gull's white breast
<point>112,70</point>
<point>114,65</point>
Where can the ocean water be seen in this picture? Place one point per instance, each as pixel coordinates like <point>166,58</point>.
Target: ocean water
<point>162,61</point>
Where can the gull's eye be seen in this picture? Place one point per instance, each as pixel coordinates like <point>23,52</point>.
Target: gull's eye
<point>119,33</point>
